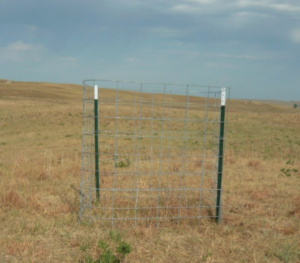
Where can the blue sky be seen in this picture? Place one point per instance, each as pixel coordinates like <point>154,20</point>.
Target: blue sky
<point>252,46</point>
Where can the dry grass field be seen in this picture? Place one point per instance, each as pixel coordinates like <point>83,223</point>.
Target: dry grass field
<point>40,159</point>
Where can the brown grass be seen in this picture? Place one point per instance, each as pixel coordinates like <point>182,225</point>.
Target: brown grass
<point>12,199</point>
<point>40,152</point>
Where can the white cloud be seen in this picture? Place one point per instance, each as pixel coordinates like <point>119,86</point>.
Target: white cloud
<point>293,6</point>
<point>295,35</point>
<point>216,6</point>
<point>203,6</point>
<point>284,7</point>
<point>183,8</point>
<point>19,51</point>
<point>195,6</point>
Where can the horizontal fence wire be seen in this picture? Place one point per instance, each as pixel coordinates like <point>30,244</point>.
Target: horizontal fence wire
<point>150,153</point>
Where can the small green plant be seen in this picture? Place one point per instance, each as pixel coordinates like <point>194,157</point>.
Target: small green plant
<point>113,251</point>
<point>123,248</point>
<point>288,172</point>
<point>107,255</point>
<point>123,164</point>
<point>295,105</point>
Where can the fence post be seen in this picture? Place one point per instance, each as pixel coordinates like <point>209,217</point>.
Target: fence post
<point>220,163</point>
<point>96,142</point>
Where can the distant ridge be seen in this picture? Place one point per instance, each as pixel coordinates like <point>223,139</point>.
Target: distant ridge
<point>280,102</point>
<point>39,90</point>
<point>31,89</point>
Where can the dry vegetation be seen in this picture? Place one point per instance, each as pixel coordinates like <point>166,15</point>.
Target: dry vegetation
<point>40,151</point>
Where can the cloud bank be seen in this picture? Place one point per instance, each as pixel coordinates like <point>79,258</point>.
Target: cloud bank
<point>251,45</point>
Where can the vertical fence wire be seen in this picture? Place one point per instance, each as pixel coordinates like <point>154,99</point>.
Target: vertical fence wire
<point>203,155</point>
<point>138,153</point>
<point>115,154</point>
<point>160,156</point>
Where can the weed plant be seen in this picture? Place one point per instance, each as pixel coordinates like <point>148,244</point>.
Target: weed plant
<point>113,252</point>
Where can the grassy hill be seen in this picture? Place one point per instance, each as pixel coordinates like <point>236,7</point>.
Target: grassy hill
<point>40,158</point>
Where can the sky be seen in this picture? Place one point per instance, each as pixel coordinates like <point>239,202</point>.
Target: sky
<point>252,46</point>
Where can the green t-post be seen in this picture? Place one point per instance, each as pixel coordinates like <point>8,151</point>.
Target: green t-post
<point>220,163</point>
<point>96,142</point>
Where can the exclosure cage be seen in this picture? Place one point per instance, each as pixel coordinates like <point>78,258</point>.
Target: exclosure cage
<point>152,153</point>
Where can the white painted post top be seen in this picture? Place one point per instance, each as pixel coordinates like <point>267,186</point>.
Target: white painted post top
<point>223,96</point>
<point>96,92</point>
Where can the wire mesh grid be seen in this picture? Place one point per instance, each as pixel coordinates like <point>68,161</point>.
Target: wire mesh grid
<point>150,153</point>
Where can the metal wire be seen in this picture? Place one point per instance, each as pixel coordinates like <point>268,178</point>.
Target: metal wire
<point>158,153</point>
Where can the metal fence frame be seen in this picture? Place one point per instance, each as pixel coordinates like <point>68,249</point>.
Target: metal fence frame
<point>152,153</point>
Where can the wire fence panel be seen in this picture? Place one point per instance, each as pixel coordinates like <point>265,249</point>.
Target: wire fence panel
<point>150,153</point>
